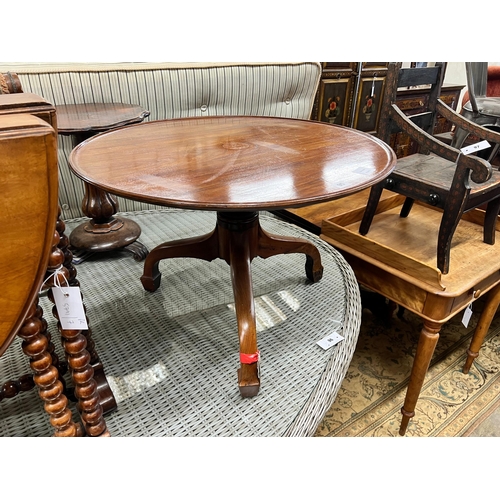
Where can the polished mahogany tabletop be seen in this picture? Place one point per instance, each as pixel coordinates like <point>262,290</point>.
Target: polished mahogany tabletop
<point>232,163</point>
<point>96,117</point>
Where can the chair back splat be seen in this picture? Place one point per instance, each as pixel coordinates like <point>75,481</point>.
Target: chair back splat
<point>438,175</point>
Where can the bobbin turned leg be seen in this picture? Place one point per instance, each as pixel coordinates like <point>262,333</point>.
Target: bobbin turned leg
<point>25,383</point>
<point>82,375</point>
<point>108,401</point>
<point>77,356</point>
<point>46,376</point>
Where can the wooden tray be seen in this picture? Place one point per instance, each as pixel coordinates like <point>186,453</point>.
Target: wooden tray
<point>405,250</point>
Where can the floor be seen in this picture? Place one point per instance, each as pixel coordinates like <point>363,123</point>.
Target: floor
<point>490,427</point>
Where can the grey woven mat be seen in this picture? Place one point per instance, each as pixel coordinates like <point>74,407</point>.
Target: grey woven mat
<point>171,356</point>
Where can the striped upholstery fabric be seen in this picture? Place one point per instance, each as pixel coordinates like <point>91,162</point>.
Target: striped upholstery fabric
<point>169,90</point>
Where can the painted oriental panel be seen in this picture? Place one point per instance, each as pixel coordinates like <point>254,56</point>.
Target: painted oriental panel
<point>334,101</point>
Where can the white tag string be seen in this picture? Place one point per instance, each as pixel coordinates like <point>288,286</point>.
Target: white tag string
<point>57,283</point>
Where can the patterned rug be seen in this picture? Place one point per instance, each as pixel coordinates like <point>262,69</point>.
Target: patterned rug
<point>450,404</point>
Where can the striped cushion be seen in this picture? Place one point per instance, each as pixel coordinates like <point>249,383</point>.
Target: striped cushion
<point>170,90</point>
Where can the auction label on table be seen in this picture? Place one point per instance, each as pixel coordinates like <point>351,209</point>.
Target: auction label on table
<point>333,338</point>
<point>70,308</point>
<point>467,315</point>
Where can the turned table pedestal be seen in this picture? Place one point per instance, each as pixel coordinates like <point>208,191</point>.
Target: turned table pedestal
<point>103,232</point>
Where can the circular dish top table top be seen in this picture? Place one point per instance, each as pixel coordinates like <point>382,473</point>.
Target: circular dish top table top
<point>233,163</point>
<point>96,117</point>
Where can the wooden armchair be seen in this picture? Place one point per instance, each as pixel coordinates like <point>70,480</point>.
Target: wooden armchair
<point>439,175</point>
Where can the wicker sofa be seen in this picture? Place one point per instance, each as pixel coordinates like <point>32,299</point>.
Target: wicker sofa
<point>168,91</point>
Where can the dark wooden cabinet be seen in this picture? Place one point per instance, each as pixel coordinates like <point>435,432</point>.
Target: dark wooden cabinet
<point>349,94</point>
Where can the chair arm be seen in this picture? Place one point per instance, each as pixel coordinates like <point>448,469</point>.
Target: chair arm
<point>461,122</point>
<point>480,169</point>
<point>425,140</point>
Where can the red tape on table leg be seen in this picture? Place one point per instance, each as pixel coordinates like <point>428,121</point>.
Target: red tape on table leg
<point>248,359</point>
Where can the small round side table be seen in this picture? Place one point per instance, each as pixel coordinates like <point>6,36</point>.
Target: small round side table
<point>103,232</point>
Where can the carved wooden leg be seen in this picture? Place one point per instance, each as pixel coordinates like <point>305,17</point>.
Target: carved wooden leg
<point>204,247</point>
<point>238,245</point>
<point>272,244</point>
<point>105,232</point>
<point>108,401</point>
<point>483,325</point>
<point>241,277</point>
<point>371,207</point>
<point>46,376</point>
<point>425,349</point>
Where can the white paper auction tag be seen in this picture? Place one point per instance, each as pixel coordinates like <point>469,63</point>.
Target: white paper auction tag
<point>333,337</point>
<point>70,308</point>
<point>332,326</point>
<point>329,341</point>
<point>475,147</point>
<point>467,315</point>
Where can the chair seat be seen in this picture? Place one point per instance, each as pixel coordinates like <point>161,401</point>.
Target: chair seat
<point>438,173</point>
<point>486,105</point>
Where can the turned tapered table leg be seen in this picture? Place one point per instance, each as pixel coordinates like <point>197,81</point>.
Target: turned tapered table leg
<point>483,325</point>
<point>425,349</point>
<point>237,239</point>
